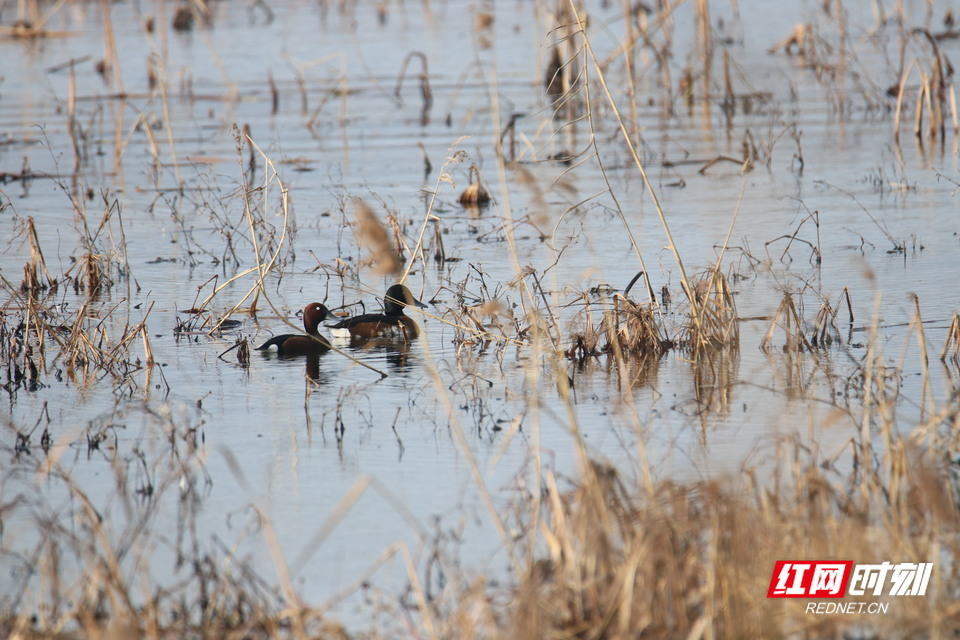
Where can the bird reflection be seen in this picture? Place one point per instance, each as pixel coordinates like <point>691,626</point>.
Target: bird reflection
<point>397,354</point>
<point>312,370</point>
<point>311,366</point>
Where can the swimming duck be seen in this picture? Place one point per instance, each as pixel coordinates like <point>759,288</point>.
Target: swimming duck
<point>294,344</point>
<point>392,323</point>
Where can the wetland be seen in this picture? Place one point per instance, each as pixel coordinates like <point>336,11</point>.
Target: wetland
<point>689,311</point>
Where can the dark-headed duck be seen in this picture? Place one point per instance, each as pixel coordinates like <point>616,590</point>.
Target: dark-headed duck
<point>295,344</point>
<point>392,323</point>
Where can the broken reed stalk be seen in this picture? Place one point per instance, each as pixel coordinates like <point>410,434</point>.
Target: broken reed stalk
<point>935,88</point>
<point>629,51</point>
<point>72,125</point>
<point>561,79</point>
<point>788,319</point>
<point>729,104</point>
<point>951,347</point>
<point>553,82</point>
<point>425,91</point>
<point>826,317</point>
<point>953,109</point>
<point>36,259</point>
<point>274,94</point>
<point>926,403</point>
<point>111,61</point>
<point>32,283</point>
<point>168,123</point>
<point>846,295</point>
<point>898,109</point>
<point>439,253</point>
<point>147,349</point>
<point>90,274</point>
<point>475,194</point>
<point>705,33</point>
<point>918,107</point>
<point>400,246</point>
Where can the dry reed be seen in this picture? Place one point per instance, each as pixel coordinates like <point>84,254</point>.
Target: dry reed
<point>935,97</point>
<point>426,93</point>
<point>33,269</point>
<point>951,347</point>
<point>604,556</point>
<point>788,319</point>
<point>718,325</point>
<point>475,194</point>
<point>383,255</point>
<point>618,558</point>
<point>632,328</point>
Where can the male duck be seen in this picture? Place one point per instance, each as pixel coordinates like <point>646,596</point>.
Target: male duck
<point>294,344</point>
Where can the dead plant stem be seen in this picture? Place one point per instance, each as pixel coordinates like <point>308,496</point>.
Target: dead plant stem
<point>694,306</point>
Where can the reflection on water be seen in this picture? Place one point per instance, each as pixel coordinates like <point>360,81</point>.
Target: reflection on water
<point>396,354</point>
<point>127,180</point>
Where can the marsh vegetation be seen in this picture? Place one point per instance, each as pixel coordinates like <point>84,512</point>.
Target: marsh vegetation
<point>691,312</point>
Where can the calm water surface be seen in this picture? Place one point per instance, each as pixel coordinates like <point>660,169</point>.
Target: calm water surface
<point>269,438</point>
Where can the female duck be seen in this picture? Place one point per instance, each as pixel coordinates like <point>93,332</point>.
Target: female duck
<point>293,344</point>
<point>392,323</point>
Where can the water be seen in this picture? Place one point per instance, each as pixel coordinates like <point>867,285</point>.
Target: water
<point>267,437</point>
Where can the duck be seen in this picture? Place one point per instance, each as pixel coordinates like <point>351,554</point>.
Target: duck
<point>392,323</point>
<point>296,344</point>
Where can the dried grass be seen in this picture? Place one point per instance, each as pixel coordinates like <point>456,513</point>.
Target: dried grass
<point>717,325</point>
<point>92,276</point>
<point>935,97</point>
<point>788,319</point>
<point>475,194</point>
<point>696,560</point>
<point>604,556</point>
<point>383,257</point>
<point>85,577</point>
<point>84,346</point>
<point>951,347</point>
<point>632,328</point>
<point>825,329</point>
<point>620,558</point>
<point>32,270</point>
